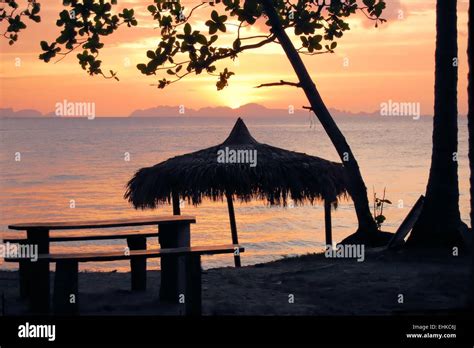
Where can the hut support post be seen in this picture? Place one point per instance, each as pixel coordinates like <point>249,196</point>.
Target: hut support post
<point>327,222</point>
<point>233,227</point>
<point>176,208</point>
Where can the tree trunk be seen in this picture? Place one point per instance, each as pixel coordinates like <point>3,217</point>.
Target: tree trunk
<point>439,222</point>
<point>470,126</point>
<point>367,230</point>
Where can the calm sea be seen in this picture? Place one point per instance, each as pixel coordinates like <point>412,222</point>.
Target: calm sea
<point>90,161</point>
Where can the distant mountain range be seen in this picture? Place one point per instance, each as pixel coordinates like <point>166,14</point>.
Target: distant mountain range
<point>26,113</point>
<point>248,110</point>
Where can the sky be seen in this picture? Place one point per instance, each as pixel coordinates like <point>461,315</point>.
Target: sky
<point>370,66</point>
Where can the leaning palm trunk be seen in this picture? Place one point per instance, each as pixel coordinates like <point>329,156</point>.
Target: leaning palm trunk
<point>439,221</point>
<point>367,231</point>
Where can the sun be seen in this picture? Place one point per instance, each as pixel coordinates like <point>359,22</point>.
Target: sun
<point>236,96</point>
<point>235,105</point>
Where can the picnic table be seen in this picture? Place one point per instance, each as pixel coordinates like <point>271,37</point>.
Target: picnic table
<point>173,232</point>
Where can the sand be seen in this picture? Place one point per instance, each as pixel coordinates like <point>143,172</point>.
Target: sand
<point>307,285</point>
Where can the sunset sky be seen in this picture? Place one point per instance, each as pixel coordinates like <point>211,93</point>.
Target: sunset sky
<point>392,62</point>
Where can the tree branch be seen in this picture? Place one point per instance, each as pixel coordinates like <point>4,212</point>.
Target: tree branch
<point>187,18</point>
<point>231,53</point>
<point>281,83</point>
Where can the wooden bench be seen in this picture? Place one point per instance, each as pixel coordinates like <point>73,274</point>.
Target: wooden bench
<point>135,241</point>
<point>173,232</point>
<point>66,282</point>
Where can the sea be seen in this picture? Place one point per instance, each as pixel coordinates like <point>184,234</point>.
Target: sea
<point>64,169</point>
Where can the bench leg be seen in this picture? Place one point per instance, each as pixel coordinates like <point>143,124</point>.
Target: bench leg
<point>23,275</point>
<point>23,272</point>
<point>193,298</point>
<point>138,264</point>
<point>172,267</point>
<point>66,290</point>
<point>38,284</point>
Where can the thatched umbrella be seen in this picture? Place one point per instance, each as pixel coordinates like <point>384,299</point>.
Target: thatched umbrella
<point>244,168</point>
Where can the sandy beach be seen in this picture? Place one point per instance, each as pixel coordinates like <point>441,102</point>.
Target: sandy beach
<point>307,285</point>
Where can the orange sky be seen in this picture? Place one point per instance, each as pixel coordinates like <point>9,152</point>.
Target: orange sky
<point>392,62</point>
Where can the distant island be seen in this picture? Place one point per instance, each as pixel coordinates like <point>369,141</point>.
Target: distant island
<point>247,110</point>
<point>25,113</point>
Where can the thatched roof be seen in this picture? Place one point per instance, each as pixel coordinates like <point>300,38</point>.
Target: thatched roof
<point>278,175</point>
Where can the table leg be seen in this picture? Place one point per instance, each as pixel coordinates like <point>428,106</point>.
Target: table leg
<point>66,289</point>
<point>38,273</point>
<point>173,267</point>
<point>193,306</point>
<point>138,263</point>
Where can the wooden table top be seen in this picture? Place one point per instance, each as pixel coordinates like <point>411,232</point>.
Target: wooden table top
<point>75,225</point>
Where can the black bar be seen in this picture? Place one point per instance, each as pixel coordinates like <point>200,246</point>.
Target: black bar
<point>258,330</point>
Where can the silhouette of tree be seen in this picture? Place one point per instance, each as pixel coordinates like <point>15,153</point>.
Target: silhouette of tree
<point>184,51</point>
<point>440,221</point>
